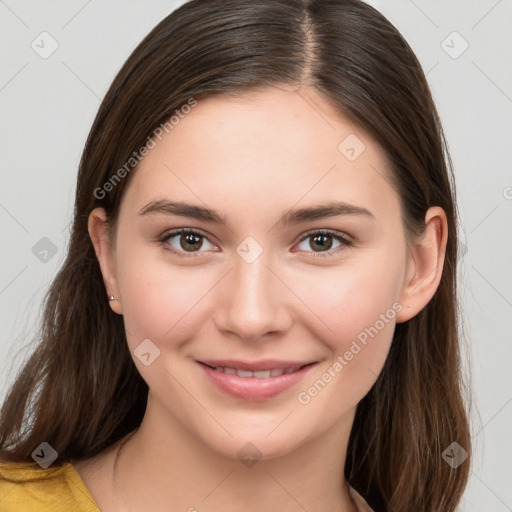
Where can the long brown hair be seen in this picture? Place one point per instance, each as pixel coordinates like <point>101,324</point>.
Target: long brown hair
<point>80,390</point>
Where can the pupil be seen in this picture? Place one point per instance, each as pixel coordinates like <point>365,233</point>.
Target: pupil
<point>320,241</point>
<point>191,240</point>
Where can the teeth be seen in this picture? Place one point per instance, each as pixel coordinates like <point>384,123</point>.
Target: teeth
<point>263,374</point>
<point>244,373</point>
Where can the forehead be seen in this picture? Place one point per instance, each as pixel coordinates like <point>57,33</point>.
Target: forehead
<point>263,148</point>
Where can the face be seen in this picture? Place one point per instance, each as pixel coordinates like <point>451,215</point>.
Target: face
<point>262,281</point>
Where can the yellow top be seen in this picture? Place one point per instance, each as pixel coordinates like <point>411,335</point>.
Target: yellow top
<point>28,487</point>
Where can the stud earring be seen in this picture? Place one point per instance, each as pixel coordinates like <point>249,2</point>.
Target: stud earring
<point>111,298</point>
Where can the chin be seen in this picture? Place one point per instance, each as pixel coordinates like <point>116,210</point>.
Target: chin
<point>255,442</point>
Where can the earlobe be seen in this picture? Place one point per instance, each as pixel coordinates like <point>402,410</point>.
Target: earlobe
<point>101,240</point>
<point>426,261</point>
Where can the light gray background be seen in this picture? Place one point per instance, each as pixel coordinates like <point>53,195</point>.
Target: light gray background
<point>48,105</point>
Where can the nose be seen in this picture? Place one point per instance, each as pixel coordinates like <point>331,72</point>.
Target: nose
<point>251,301</point>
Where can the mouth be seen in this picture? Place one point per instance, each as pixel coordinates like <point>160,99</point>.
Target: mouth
<point>255,381</point>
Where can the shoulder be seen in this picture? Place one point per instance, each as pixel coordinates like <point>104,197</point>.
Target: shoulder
<point>26,486</point>
<point>360,501</point>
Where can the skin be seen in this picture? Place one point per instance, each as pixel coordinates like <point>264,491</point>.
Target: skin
<point>253,158</point>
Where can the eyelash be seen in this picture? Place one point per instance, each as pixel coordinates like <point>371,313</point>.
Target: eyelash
<point>345,242</point>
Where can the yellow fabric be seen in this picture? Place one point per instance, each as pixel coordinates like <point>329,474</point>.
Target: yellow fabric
<point>29,488</point>
<point>26,487</point>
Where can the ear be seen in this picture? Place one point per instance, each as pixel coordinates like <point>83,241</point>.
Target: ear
<point>425,265</point>
<point>104,248</point>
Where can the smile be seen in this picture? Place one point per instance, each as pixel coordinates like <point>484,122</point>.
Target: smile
<point>254,381</point>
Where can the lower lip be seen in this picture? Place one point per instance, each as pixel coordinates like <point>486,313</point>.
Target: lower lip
<point>254,388</point>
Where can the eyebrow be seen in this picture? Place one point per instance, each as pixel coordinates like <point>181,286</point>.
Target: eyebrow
<point>297,216</point>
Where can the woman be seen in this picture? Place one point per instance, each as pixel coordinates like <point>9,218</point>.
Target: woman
<point>258,306</point>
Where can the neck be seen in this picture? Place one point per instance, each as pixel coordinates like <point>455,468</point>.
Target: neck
<point>156,471</point>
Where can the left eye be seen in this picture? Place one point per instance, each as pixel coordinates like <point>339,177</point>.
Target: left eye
<point>322,242</point>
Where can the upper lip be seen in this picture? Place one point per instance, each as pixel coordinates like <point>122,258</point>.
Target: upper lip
<point>256,366</point>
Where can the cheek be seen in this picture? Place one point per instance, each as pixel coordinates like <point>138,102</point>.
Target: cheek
<point>159,299</point>
<point>357,306</point>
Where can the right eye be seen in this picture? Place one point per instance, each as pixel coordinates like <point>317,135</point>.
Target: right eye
<point>184,240</point>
